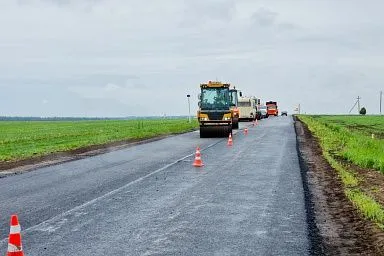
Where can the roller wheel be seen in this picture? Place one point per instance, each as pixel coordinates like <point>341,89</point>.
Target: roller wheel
<point>203,132</point>
<point>229,130</point>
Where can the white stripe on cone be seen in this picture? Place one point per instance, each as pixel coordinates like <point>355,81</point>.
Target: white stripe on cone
<point>15,229</point>
<point>14,248</point>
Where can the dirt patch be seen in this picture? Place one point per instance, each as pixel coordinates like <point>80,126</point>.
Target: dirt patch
<point>336,228</point>
<point>371,181</point>
<point>20,166</point>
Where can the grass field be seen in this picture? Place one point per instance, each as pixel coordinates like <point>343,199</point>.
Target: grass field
<point>22,139</point>
<point>365,125</point>
<point>347,140</point>
<point>349,137</point>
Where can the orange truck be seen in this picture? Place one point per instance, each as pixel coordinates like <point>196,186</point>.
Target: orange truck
<point>272,109</point>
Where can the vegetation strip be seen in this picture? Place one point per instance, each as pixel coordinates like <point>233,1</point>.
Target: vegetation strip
<point>342,144</point>
<point>25,139</point>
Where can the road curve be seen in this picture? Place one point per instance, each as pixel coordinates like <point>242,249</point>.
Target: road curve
<point>248,199</point>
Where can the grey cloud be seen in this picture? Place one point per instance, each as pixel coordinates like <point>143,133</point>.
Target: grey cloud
<point>60,3</point>
<point>264,17</point>
<point>90,57</point>
<point>102,79</point>
<point>201,12</point>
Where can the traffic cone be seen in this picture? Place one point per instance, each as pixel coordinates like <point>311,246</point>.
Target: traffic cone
<point>14,241</point>
<point>198,162</point>
<point>230,143</point>
<point>245,131</point>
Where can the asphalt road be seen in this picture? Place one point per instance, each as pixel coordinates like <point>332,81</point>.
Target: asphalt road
<point>148,199</point>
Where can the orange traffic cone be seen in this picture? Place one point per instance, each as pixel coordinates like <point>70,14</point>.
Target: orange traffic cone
<point>245,131</point>
<point>14,242</point>
<point>230,143</point>
<point>198,162</point>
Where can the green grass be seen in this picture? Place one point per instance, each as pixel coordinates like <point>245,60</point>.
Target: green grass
<point>349,138</point>
<point>24,139</point>
<point>365,125</point>
<point>367,206</point>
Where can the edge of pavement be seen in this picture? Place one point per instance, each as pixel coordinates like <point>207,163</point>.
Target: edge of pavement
<point>33,163</point>
<point>315,239</point>
<point>335,227</point>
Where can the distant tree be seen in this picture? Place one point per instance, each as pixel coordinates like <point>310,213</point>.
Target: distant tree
<point>363,111</point>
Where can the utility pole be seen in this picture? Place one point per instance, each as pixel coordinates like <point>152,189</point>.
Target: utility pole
<point>358,104</point>
<point>189,108</point>
<point>297,109</point>
<point>381,98</point>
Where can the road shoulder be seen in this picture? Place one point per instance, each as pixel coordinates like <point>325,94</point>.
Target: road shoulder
<point>33,163</point>
<point>335,225</point>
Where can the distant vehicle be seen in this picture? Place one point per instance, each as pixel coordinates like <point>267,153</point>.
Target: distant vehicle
<point>247,109</point>
<point>258,113</point>
<point>284,113</point>
<point>272,108</point>
<point>257,107</point>
<point>263,112</point>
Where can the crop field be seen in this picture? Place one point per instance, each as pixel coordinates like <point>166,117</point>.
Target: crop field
<point>365,125</point>
<point>351,150</point>
<point>24,139</point>
<point>350,137</point>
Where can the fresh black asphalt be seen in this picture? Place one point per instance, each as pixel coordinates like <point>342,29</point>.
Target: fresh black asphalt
<point>148,199</point>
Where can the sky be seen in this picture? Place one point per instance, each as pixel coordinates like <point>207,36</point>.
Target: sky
<point>116,58</point>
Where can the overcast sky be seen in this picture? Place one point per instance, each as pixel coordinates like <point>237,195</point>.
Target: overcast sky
<point>127,57</point>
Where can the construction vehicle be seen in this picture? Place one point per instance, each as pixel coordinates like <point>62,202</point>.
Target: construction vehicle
<point>272,109</point>
<point>234,97</point>
<point>257,107</point>
<point>247,108</point>
<point>215,115</point>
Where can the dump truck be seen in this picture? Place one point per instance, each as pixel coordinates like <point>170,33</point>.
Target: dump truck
<point>247,108</point>
<point>272,109</point>
<point>215,115</point>
<point>234,97</point>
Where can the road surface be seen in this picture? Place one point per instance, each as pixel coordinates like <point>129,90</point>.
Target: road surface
<point>148,199</point>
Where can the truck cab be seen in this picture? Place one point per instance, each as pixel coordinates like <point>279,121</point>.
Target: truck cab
<point>272,109</point>
<point>234,97</point>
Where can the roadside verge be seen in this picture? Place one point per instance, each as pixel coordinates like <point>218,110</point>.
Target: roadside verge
<point>33,163</point>
<point>335,226</point>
